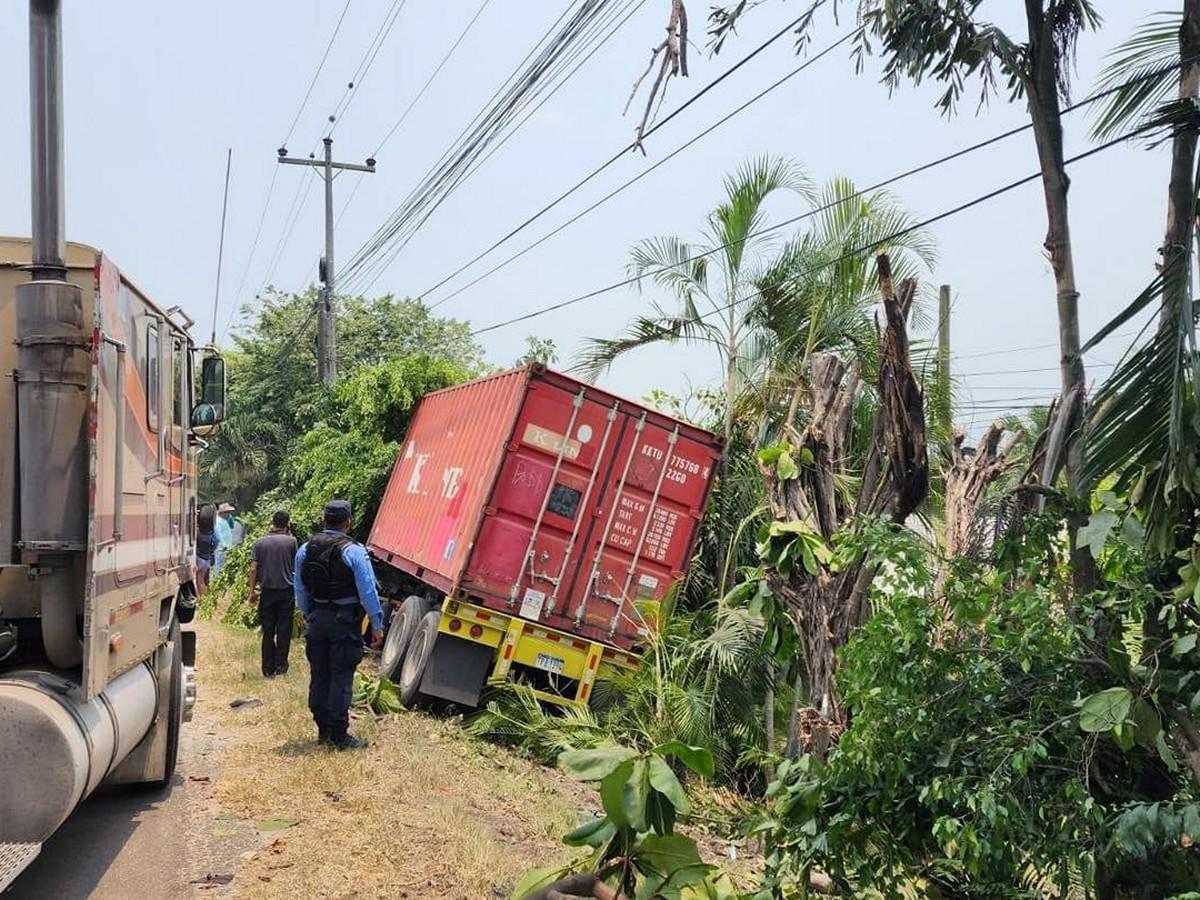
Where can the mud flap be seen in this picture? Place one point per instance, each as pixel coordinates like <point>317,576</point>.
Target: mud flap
<point>457,670</point>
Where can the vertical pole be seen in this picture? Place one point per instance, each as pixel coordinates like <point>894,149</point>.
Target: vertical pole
<point>326,338</point>
<point>46,157</point>
<point>221,247</point>
<point>945,404</point>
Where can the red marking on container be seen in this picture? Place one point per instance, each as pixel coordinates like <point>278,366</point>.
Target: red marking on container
<point>584,690</point>
<point>508,651</point>
<point>592,661</point>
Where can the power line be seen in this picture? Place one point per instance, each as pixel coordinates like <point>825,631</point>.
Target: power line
<point>633,145</point>
<point>599,39</point>
<point>316,75</point>
<point>540,71</point>
<point>428,81</point>
<point>364,65</point>
<point>628,183</point>
<point>885,183</point>
<point>991,195</point>
<point>302,192</point>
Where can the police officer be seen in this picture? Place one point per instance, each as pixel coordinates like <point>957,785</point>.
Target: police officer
<point>335,584</point>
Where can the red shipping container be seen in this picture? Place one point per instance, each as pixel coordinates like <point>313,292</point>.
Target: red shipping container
<point>536,494</point>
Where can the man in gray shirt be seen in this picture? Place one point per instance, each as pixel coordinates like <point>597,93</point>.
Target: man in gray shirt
<point>272,562</point>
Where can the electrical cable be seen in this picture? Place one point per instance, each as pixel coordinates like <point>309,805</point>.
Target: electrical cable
<point>634,144</point>
<point>545,63</point>
<point>441,182</point>
<point>866,248</point>
<point>316,75</point>
<point>626,184</point>
<point>882,184</point>
<point>364,65</point>
<point>479,161</point>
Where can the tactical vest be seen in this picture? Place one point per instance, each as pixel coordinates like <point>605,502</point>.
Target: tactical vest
<point>324,572</point>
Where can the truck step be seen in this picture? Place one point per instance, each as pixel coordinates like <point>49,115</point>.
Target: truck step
<point>13,860</point>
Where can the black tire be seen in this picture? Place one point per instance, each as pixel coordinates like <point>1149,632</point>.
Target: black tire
<point>420,648</point>
<point>174,707</point>
<point>399,635</point>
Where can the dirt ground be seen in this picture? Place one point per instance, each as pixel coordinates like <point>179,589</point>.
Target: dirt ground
<point>425,812</point>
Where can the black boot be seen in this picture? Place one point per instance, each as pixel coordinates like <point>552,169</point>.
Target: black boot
<point>349,742</point>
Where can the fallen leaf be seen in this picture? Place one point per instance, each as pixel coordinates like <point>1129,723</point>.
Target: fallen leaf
<point>277,845</point>
<point>264,877</point>
<point>281,823</point>
<point>199,778</point>
<point>245,703</point>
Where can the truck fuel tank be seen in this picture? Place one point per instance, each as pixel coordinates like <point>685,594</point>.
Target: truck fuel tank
<point>55,749</point>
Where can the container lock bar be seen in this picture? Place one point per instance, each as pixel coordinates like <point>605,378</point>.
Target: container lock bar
<point>672,438</point>
<point>528,559</point>
<point>593,577</point>
<point>584,507</point>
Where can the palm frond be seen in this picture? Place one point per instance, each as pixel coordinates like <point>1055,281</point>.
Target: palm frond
<point>1142,73</point>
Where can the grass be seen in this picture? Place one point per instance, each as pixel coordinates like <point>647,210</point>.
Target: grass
<point>425,811</point>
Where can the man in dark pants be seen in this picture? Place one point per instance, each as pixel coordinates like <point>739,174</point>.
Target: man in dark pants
<point>272,564</point>
<point>335,585</point>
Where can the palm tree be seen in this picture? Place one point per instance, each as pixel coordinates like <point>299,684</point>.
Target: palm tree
<point>821,291</point>
<point>712,307</point>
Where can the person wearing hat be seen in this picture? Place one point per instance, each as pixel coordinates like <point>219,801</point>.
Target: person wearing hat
<point>335,585</point>
<point>223,529</point>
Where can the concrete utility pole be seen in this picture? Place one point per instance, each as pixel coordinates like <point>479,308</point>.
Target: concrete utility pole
<point>326,337</point>
<point>946,410</point>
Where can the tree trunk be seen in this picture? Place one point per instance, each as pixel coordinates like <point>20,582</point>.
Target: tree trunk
<point>1042,89</point>
<point>826,606</point>
<point>1181,196</point>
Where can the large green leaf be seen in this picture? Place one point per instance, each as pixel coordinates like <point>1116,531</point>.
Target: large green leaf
<point>698,759</point>
<point>663,780</point>
<point>612,793</point>
<point>593,765</point>
<point>668,853</point>
<point>595,832</point>
<point>1104,711</point>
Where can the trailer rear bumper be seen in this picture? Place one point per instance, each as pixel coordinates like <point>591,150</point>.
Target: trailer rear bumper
<point>570,664</point>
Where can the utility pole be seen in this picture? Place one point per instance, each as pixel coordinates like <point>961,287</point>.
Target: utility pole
<point>326,336</point>
<point>945,404</point>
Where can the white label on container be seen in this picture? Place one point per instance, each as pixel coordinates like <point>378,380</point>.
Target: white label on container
<point>449,551</point>
<point>647,585</point>
<point>550,441</point>
<point>531,604</point>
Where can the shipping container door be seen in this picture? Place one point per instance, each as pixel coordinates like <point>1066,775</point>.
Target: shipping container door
<point>530,544</point>
<point>644,521</point>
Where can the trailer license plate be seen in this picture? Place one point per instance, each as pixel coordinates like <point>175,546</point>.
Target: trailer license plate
<point>550,663</point>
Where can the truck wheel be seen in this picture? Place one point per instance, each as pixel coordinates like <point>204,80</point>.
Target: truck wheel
<point>399,635</point>
<point>419,651</point>
<point>174,707</point>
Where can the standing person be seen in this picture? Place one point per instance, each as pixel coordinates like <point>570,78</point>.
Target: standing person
<point>224,532</point>
<point>272,567</point>
<point>335,584</point>
<point>206,545</point>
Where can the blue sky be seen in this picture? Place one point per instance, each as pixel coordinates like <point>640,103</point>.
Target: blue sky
<point>156,92</point>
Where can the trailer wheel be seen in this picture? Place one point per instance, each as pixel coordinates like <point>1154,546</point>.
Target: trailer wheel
<point>400,632</point>
<point>419,651</point>
<point>174,707</point>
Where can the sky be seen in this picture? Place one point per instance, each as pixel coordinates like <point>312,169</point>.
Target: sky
<point>155,94</point>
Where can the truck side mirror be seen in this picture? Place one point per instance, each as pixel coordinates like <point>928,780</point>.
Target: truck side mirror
<point>209,411</point>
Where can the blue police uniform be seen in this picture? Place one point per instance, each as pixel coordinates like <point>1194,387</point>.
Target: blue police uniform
<point>332,613</point>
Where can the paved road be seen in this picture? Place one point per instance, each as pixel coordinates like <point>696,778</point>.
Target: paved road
<point>134,842</point>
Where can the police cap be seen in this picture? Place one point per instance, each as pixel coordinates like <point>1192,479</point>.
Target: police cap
<point>337,511</point>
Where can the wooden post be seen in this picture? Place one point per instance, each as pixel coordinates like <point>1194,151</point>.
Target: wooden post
<point>945,410</point>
